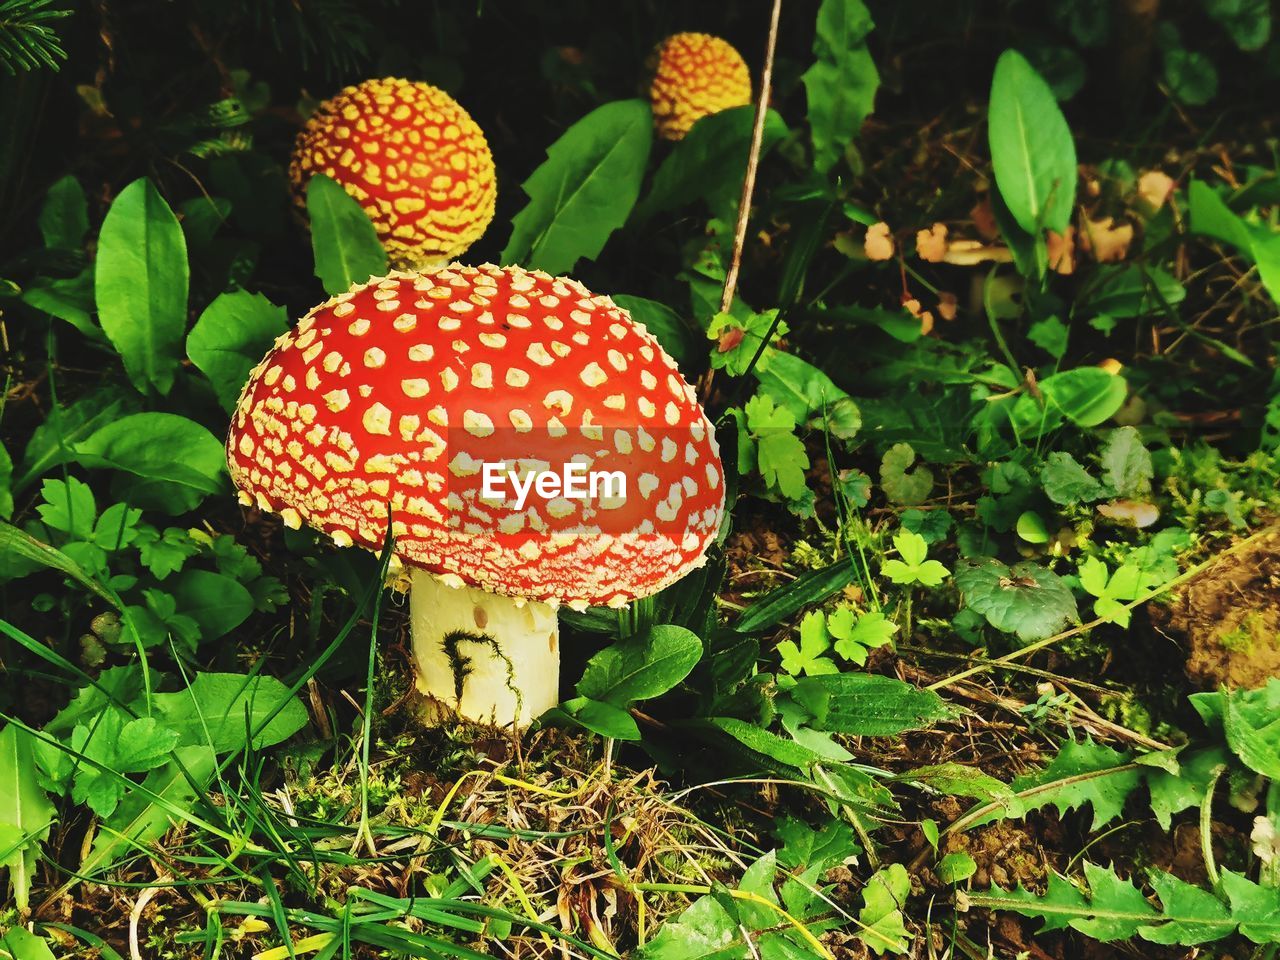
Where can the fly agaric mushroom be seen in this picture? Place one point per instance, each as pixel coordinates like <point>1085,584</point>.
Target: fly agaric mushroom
<point>412,157</point>
<point>695,75</point>
<point>448,398</point>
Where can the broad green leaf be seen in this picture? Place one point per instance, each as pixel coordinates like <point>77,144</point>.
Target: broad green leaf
<point>1211,217</point>
<point>216,602</point>
<point>602,718</point>
<point>809,656</point>
<point>956,867</point>
<point>1190,76</point>
<point>584,190</point>
<point>1255,907</point>
<point>1251,721</point>
<point>233,333</point>
<point>808,393</point>
<point>53,442</point>
<point>1087,396</point>
<point>219,709</point>
<point>956,779</point>
<point>18,943</point>
<point>1027,600</point>
<point>343,239</point>
<point>709,162</point>
<point>1032,152</point>
<point>880,922</point>
<point>140,819</point>
<point>64,218</point>
<point>159,447</point>
<point>26,814</point>
<point>140,284</point>
<point>641,667</point>
<point>1126,464</point>
<point>1192,915</point>
<point>868,705</point>
<point>840,87</point>
<point>761,741</point>
<point>663,322</point>
<point>1066,482</point>
<point>1248,22</point>
<point>1122,290</point>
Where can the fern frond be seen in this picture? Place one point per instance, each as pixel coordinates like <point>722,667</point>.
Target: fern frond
<point>27,41</point>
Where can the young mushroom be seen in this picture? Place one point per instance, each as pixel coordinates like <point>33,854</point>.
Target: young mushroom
<point>532,444</point>
<point>694,76</point>
<point>412,157</point>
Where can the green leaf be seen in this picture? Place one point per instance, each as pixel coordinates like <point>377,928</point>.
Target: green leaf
<point>140,284</point>
<point>1192,915</point>
<point>26,814</point>
<point>809,657</point>
<point>584,190</point>
<point>808,394</point>
<point>64,217</point>
<point>1027,600</point>
<point>1248,22</point>
<point>761,741</point>
<point>709,162</point>
<point>1032,152</point>
<point>913,567</point>
<point>1126,464</point>
<point>1191,76</point>
<point>779,452</point>
<point>956,779</point>
<point>902,484</point>
<point>1128,290</point>
<point>1087,396</point>
<point>602,718</point>
<point>810,587</point>
<point>68,507</point>
<point>160,447</point>
<point>18,943</point>
<point>880,921</point>
<point>343,239</point>
<point>642,666</point>
<point>840,88</point>
<point>1251,721</point>
<point>233,333</point>
<point>1255,907</point>
<point>15,542</point>
<point>216,602</point>
<point>663,322</point>
<point>52,443</point>
<point>141,820</point>
<point>868,705</point>
<point>1066,482</point>
<point>1209,216</point>
<point>857,633</point>
<point>956,867</point>
<point>219,709</point>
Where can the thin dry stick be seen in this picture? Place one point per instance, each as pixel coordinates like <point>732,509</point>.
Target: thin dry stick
<point>749,180</point>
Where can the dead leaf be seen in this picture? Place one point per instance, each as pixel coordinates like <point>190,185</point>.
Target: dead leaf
<point>1111,365</point>
<point>878,244</point>
<point>1062,251</point>
<point>931,244</point>
<point>1136,513</point>
<point>984,219</point>
<point>1154,188</point>
<point>947,304</point>
<point>1108,241</point>
<point>912,306</point>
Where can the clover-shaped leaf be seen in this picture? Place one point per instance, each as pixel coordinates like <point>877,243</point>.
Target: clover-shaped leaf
<point>913,567</point>
<point>857,633</point>
<point>808,658</point>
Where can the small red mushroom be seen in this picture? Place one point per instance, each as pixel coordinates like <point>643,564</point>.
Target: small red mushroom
<point>412,157</point>
<point>694,76</point>
<point>464,402</point>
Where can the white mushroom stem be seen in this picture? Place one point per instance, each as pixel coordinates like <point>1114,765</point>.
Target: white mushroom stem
<point>492,659</point>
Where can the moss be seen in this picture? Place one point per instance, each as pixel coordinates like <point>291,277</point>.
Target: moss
<point>1245,634</point>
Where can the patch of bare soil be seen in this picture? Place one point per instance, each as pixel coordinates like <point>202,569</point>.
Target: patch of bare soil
<point>1228,619</point>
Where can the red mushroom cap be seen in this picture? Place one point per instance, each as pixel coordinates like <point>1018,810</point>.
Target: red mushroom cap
<point>412,157</point>
<point>394,395</point>
<point>695,75</point>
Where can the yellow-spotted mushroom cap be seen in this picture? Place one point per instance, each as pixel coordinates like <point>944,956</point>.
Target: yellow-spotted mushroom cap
<point>695,75</point>
<point>396,394</point>
<point>412,157</point>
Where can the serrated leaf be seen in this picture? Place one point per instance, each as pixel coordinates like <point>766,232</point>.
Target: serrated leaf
<point>780,454</point>
<point>1126,464</point>
<point>584,190</point>
<point>1027,600</point>
<point>140,285</point>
